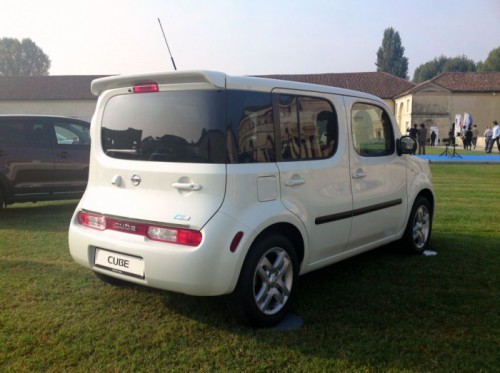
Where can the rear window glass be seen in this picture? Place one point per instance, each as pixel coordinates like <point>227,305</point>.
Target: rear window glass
<point>176,126</point>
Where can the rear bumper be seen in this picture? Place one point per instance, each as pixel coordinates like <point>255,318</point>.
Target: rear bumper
<point>209,269</point>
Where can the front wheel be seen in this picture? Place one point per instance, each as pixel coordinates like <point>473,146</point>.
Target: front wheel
<point>268,282</point>
<point>418,231</point>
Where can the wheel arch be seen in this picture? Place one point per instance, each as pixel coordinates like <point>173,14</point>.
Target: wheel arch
<point>289,231</point>
<point>427,193</point>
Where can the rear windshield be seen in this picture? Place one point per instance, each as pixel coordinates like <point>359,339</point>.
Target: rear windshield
<point>176,126</point>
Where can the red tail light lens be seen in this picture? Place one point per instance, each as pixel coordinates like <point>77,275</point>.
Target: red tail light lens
<point>178,236</point>
<point>146,87</point>
<point>92,220</point>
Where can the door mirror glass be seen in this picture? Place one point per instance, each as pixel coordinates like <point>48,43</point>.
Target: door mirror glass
<point>406,145</point>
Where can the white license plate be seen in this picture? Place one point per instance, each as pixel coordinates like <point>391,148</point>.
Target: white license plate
<point>120,263</point>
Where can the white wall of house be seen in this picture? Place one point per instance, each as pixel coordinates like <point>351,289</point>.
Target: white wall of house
<point>403,110</point>
<point>80,109</point>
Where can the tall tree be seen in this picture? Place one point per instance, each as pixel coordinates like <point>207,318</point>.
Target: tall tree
<point>22,58</point>
<point>443,64</point>
<point>390,56</point>
<point>492,63</point>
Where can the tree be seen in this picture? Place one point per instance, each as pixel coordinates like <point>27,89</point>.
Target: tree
<point>390,56</point>
<point>22,58</point>
<point>443,64</point>
<point>492,63</point>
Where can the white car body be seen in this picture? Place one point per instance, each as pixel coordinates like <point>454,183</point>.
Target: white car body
<point>330,208</point>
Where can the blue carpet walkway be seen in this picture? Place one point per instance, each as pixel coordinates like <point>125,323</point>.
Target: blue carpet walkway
<point>463,157</point>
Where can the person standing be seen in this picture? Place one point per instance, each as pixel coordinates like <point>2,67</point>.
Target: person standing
<point>495,138</point>
<point>475,134</point>
<point>487,138</point>
<point>468,139</point>
<point>422,138</point>
<point>433,138</point>
<point>414,133</point>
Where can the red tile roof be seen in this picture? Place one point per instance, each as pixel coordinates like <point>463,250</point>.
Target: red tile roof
<point>457,82</point>
<point>468,82</point>
<point>379,84</point>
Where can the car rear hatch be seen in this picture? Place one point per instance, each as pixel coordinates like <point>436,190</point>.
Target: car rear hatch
<point>159,149</point>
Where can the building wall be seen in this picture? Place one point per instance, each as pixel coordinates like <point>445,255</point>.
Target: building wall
<point>403,112</point>
<point>80,109</point>
<point>439,109</point>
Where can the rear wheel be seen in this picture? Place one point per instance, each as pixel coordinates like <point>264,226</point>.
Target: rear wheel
<point>418,231</point>
<point>268,282</point>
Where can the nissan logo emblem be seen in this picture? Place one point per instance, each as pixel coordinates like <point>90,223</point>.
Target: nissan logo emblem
<point>136,179</point>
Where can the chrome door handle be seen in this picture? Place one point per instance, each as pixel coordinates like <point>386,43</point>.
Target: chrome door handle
<point>294,182</point>
<point>187,186</point>
<point>358,175</point>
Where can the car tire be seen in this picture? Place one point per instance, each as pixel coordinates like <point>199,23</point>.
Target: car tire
<point>418,230</point>
<point>111,280</point>
<point>268,282</point>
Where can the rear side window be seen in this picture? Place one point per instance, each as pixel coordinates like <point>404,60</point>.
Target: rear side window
<point>308,128</point>
<point>176,126</point>
<point>250,136</point>
<point>371,131</point>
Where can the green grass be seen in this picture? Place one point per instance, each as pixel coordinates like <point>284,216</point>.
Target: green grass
<point>381,311</point>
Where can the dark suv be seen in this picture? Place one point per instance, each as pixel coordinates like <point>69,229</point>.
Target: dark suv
<point>42,158</point>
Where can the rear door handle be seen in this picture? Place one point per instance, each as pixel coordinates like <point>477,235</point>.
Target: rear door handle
<point>187,186</point>
<point>63,154</point>
<point>358,175</point>
<point>294,182</point>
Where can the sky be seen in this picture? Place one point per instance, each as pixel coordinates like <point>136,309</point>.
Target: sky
<point>251,37</point>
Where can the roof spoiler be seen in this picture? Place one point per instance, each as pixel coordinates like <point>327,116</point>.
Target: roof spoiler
<point>217,79</point>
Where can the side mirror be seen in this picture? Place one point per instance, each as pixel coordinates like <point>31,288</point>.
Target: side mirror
<point>406,145</point>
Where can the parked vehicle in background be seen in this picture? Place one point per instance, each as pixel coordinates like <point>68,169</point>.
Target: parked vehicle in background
<point>208,184</point>
<point>42,158</point>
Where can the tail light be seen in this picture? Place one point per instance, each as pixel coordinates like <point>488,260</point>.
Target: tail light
<point>180,236</point>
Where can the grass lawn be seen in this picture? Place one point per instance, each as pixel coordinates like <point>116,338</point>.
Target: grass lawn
<point>381,311</point>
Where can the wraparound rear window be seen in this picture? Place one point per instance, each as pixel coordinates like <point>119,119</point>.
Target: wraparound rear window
<point>217,126</point>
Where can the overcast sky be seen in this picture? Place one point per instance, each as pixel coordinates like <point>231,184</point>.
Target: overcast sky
<point>251,37</point>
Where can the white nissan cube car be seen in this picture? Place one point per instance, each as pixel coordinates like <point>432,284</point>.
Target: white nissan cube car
<point>208,184</point>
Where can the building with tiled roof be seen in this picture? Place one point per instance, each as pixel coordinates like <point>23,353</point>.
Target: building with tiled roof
<point>438,101</point>
<point>52,95</point>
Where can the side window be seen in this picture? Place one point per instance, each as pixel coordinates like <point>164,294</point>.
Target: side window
<point>24,133</point>
<point>68,133</point>
<point>371,131</point>
<point>250,132</point>
<point>308,128</point>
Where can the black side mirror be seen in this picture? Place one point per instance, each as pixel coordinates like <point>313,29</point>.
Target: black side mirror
<point>406,145</point>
